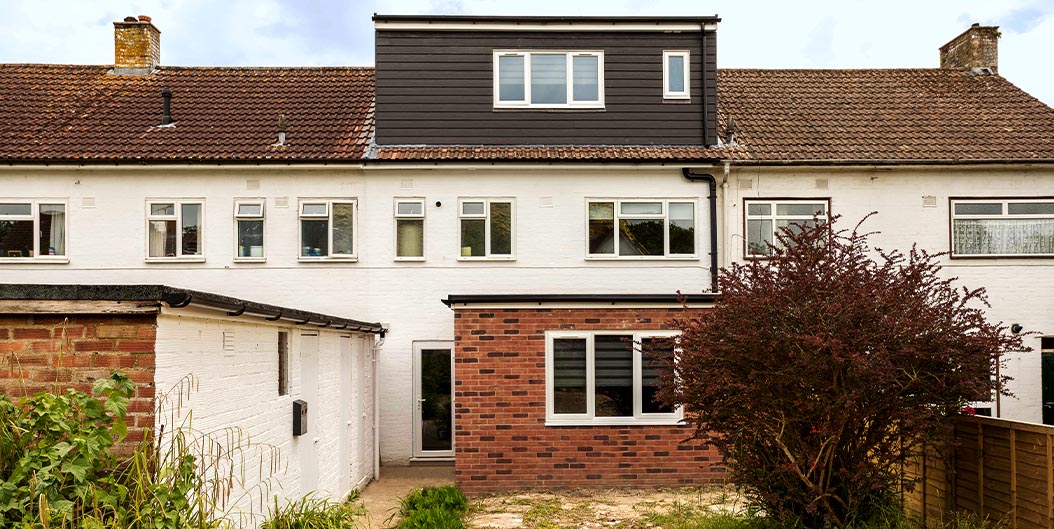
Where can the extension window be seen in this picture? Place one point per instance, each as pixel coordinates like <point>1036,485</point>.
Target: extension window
<point>606,378</point>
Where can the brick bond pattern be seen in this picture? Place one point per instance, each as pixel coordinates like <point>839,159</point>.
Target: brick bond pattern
<point>52,353</point>
<point>501,439</point>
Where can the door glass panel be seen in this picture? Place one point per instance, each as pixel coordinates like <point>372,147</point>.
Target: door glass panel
<point>613,357</point>
<point>436,406</point>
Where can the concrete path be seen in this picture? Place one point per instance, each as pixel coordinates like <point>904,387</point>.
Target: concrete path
<point>381,497</point>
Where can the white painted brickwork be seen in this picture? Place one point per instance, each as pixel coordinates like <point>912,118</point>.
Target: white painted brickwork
<point>239,389</point>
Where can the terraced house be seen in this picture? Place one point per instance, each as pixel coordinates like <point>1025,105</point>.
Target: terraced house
<point>499,212</point>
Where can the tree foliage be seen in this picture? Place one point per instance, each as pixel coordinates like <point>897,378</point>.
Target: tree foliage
<point>820,369</point>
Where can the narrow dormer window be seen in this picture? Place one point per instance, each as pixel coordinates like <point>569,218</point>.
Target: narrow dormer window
<point>548,79</point>
<point>675,75</point>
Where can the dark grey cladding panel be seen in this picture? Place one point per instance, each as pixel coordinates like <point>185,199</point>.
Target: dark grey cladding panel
<point>437,88</point>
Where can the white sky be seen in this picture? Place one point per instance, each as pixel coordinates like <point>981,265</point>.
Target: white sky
<point>753,33</point>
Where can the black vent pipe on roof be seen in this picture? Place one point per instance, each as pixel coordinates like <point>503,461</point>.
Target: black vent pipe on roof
<point>166,107</point>
<point>712,203</point>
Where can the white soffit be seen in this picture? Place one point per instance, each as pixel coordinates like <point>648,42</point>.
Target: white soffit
<point>547,26</point>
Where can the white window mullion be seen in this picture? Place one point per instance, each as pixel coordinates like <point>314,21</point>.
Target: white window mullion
<point>329,231</point>
<point>590,378</point>
<point>569,75</point>
<point>527,79</point>
<point>638,377</point>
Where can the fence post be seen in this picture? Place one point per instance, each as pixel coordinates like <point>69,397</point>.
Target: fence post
<point>1050,479</point>
<point>980,469</point>
<point>1013,478</point>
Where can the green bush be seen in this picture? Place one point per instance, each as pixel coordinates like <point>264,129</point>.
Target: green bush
<point>311,512</point>
<point>432,518</point>
<point>433,508</point>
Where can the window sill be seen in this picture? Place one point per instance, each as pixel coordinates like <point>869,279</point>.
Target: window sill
<point>328,259</point>
<point>550,107</point>
<point>34,260</point>
<point>250,259</point>
<point>967,257</point>
<point>640,258</point>
<point>483,259</point>
<point>676,99</point>
<point>409,259</point>
<point>615,421</point>
<point>164,260</point>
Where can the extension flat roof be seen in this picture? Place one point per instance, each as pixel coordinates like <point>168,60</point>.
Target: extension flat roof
<point>550,299</point>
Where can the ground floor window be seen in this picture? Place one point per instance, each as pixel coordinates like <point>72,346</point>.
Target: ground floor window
<point>606,377</point>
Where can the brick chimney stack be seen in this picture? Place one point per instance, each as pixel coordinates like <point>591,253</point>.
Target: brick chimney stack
<point>136,46</point>
<point>977,47</point>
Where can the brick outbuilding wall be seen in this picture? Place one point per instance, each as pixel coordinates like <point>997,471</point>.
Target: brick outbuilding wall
<point>52,353</point>
<point>501,438</point>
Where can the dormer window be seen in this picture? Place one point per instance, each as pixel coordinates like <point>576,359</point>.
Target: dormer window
<point>548,79</point>
<point>675,75</point>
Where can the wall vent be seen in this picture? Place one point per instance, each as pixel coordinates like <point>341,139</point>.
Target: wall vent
<point>822,183</point>
<point>281,202</point>
<point>88,202</point>
<point>545,202</point>
<point>228,340</point>
<point>929,201</point>
<point>746,183</point>
<point>252,184</point>
<point>406,183</point>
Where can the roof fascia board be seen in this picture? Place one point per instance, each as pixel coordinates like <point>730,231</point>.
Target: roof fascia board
<point>885,164</point>
<point>183,166</point>
<point>443,25</point>
<point>508,166</point>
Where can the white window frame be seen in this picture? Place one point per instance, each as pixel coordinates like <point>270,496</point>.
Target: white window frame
<point>773,203</point>
<point>1004,202</point>
<point>569,55</point>
<point>666,92</point>
<point>34,216</point>
<point>395,226</point>
<point>329,202</point>
<point>178,217</point>
<point>664,216</point>
<point>639,418</point>
<point>486,215</point>
<point>238,217</point>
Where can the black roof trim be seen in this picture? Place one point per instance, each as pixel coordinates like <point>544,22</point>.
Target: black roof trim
<point>541,19</point>
<point>613,299</point>
<point>178,298</point>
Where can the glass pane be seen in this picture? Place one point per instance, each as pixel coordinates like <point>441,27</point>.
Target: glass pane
<point>640,208</point>
<point>16,209</point>
<point>1003,236</point>
<point>501,228</point>
<point>162,238</point>
<point>759,234</point>
<point>52,229</point>
<point>314,238</point>
<point>675,73</point>
<point>803,210</point>
<point>250,238</point>
<point>569,375</point>
<point>613,365</point>
<point>601,227</point>
<point>586,74</point>
<point>437,410</point>
<point>409,238</point>
<point>315,209</point>
<point>191,228</point>
<point>979,208</point>
<point>409,208</point>
<point>343,229</point>
<point>549,78</point>
<point>652,349</point>
<point>473,237</point>
<point>640,237</point>
<point>473,208</point>
<point>792,226</point>
<point>1030,208</point>
<point>759,209</point>
<point>162,209</point>
<point>250,210</point>
<point>16,238</point>
<point>510,78</point>
<point>682,228</point>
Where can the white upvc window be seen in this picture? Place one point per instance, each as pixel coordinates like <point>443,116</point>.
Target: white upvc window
<point>327,229</point>
<point>487,228</point>
<point>1018,227</point>
<point>675,75</point>
<point>33,230</point>
<point>765,218</point>
<point>409,229</point>
<point>606,378</point>
<point>175,230</point>
<point>249,230</point>
<point>548,79</point>
<point>642,228</point>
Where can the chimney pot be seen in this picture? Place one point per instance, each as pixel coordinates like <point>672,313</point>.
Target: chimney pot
<point>130,19</point>
<point>975,48</point>
<point>137,46</point>
<point>144,18</point>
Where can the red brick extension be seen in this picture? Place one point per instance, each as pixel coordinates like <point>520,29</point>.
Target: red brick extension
<point>49,353</point>
<point>501,439</point>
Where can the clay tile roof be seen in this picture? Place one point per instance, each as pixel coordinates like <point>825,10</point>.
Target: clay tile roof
<point>83,113</point>
<point>883,115</point>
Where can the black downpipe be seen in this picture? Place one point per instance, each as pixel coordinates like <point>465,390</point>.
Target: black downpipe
<point>702,63</point>
<point>712,199</point>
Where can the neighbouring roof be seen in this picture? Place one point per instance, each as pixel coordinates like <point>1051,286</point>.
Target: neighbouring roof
<point>181,297</point>
<point>83,114</point>
<point>60,113</point>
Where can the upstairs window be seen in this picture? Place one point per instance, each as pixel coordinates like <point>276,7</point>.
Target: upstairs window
<point>675,75</point>
<point>174,229</point>
<point>546,79</point>
<point>765,218</point>
<point>1003,228</point>
<point>641,228</point>
<point>409,229</point>
<point>32,230</point>
<point>486,228</point>
<point>327,229</point>
<point>249,221</point>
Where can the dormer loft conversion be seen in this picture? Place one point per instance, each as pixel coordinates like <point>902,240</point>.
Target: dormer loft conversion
<point>471,80</point>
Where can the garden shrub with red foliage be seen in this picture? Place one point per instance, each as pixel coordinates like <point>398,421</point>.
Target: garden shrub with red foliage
<point>820,369</point>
